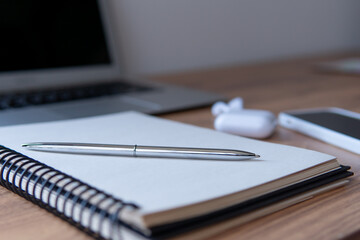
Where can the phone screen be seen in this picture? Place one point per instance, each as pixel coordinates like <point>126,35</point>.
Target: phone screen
<point>334,121</point>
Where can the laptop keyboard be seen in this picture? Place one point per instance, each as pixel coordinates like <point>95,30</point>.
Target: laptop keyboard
<point>24,99</point>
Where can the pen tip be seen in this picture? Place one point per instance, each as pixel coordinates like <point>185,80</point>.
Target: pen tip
<point>256,156</point>
<point>25,145</point>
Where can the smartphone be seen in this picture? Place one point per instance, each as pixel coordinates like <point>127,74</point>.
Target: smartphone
<point>336,126</point>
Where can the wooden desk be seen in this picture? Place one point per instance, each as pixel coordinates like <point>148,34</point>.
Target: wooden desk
<point>275,86</point>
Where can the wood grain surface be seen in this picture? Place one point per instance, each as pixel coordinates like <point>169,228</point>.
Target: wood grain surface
<point>275,86</point>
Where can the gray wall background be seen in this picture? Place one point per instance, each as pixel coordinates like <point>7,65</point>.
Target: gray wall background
<point>161,36</point>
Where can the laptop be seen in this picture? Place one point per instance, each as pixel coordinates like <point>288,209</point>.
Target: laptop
<point>61,61</point>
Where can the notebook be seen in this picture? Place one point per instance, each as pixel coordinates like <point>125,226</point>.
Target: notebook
<point>67,61</point>
<point>118,197</point>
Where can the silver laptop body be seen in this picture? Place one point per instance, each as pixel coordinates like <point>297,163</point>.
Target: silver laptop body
<point>60,61</point>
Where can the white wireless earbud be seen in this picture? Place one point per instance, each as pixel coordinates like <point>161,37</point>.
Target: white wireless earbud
<point>232,118</point>
<point>219,108</point>
<point>235,104</point>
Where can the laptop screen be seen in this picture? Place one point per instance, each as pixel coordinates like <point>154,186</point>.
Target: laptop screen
<point>46,34</point>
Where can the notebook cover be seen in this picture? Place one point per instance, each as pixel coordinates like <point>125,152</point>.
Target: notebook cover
<point>184,178</point>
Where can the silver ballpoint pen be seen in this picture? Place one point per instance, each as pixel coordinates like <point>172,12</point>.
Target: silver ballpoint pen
<point>141,151</point>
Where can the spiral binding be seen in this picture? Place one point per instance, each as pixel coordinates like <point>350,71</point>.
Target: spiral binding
<point>31,179</point>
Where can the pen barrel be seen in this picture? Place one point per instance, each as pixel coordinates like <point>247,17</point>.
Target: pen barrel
<point>191,153</point>
<point>142,151</point>
<point>88,148</point>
